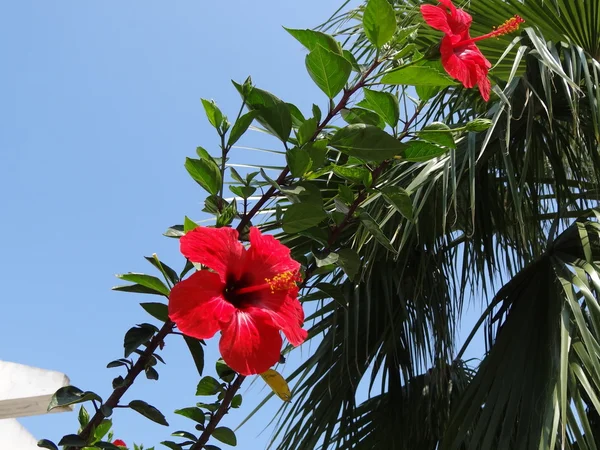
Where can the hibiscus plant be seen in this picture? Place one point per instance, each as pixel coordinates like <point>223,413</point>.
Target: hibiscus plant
<point>457,143</point>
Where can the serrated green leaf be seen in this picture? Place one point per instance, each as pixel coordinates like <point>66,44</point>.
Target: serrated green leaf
<point>70,395</point>
<point>418,76</point>
<point>379,22</point>
<point>206,173</point>
<point>298,160</point>
<point>384,104</point>
<point>302,216</point>
<point>366,142</point>
<point>213,113</point>
<point>225,435</point>
<point>148,411</point>
<point>197,352</point>
<point>438,133</point>
<point>193,413</point>
<point>224,372</point>
<point>419,151</point>
<point>243,191</point>
<point>208,386</point>
<point>312,39</point>
<point>399,199</point>
<point>135,337</point>
<point>240,127</point>
<point>353,174</point>
<point>73,440</point>
<point>306,131</point>
<point>330,71</point>
<point>147,281</point>
<point>361,115</point>
<point>236,401</point>
<point>45,443</point>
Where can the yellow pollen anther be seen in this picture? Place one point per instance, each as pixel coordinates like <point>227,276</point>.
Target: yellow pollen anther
<point>282,282</point>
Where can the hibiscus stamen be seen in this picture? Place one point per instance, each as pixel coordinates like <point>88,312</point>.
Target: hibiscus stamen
<point>509,26</point>
<point>282,282</point>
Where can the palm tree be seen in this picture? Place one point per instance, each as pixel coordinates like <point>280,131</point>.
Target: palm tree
<point>506,220</point>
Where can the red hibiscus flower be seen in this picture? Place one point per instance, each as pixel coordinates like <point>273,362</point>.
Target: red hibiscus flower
<point>460,56</point>
<point>120,443</point>
<point>250,295</point>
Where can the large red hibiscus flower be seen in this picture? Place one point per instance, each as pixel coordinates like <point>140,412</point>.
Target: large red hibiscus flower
<point>460,56</point>
<point>250,295</point>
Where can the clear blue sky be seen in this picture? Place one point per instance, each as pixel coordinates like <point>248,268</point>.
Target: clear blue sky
<point>99,106</point>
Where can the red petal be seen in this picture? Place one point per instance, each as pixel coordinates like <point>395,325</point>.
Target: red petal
<point>197,306</point>
<point>250,344</point>
<point>267,257</point>
<point>217,248</point>
<point>286,313</point>
<point>485,87</point>
<point>436,17</point>
<point>455,66</point>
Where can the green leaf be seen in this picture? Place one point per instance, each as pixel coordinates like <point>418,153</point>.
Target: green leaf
<point>419,151</point>
<point>206,173</point>
<point>189,224</point>
<point>151,373</point>
<point>306,131</point>
<point>136,288</point>
<point>83,417</point>
<point>106,445</point>
<point>236,401</point>
<point>298,161</point>
<point>184,434</point>
<point>384,104</point>
<point>208,386</point>
<point>240,127</point>
<point>45,443</point>
<point>148,411</point>
<point>317,151</point>
<point>312,39</point>
<point>353,174</point>
<point>418,76</point>
<point>243,191</point>
<point>427,92</point>
<point>302,216</point>
<point>70,395</point>
<point>211,447</point>
<point>194,413</point>
<point>373,228</point>
<point>478,125</point>
<point>325,258</point>
<point>349,261</point>
<point>135,337</point>
<point>274,114</point>
<point>197,352</point>
<point>147,281</point>
<point>330,71</point>
<point>213,113</point>
<point>162,267</point>
<point>366,142</point>
<point>438,133</point>
<point>399,199</point>
<point>360,115</point>
<point>102,429</point>
<point>172,445</point>
<point>379,22</point>
<point>352,60</point>
<point>224,372</point>
<point>73,440</point>
<point>225,435</point>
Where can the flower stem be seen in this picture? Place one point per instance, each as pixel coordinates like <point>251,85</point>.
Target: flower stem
<point>216,417</point>
<point>135,370</point>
